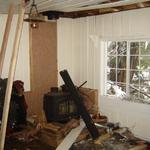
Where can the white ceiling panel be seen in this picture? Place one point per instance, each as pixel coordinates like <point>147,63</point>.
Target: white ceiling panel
<point>68,5</point>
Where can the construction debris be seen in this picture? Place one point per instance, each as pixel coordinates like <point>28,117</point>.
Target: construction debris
<point>53,134</point>
<point>71,137</point>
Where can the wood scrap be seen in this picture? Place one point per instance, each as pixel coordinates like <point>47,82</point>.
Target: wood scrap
<point>73,123</point>
<point>102,138</point>
<point>83,135</point>
<point>49,138</point>
<point>71,137</point>
<point>139,147</point>
<point>97,118</point>
<point>27,133</point>
<point>50,127</point>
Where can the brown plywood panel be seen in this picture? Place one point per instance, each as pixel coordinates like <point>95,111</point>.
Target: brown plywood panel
<point>43,65</point>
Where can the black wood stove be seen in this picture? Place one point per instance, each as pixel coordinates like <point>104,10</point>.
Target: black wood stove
<point>59,106</point>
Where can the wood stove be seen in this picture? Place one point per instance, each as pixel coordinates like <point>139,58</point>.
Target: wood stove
<point>59,106</point>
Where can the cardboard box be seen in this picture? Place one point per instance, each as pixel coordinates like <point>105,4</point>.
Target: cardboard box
<point>91,98</point>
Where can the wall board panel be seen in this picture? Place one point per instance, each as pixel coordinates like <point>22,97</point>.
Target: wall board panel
<point>43,65</point>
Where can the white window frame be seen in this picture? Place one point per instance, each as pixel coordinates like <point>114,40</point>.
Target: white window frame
<point>104,57</point>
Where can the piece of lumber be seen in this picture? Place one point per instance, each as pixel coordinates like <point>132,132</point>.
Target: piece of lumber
<point>5,37</point>
<point>71,137</point>
<point>102,138</point>
<point>139,147</point>
<point>83,136</point>
<point>73,123</point>
<point>11,76</point>
<point>49,138</point>
<point>52,128</point>
<point>78,99</point>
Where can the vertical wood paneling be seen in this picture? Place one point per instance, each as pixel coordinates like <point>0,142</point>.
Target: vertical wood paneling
<point>140,23</point>
<point>2,26</point>
<point>76,51</point>
<point>117,25</point>
<point>88,59</point>
<point>91,32</point>
<point>83,50</point>
<point>125,27</point>
<point>23,64</point>
<point>108,25</point>
<point>128,114</point>
<point>84,57</point>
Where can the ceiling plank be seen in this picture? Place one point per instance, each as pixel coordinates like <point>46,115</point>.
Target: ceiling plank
<point>72,5</point>
<point>101,11</point>
<point>112,4</point>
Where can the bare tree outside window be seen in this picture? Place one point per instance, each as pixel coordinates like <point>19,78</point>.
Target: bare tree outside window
<point>128,69</point>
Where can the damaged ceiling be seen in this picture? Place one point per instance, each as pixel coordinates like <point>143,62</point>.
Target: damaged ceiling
<point>78,8</point>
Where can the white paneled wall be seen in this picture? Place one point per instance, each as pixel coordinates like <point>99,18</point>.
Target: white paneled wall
<point>81,53</point>
<point>133,115</point>
<point>77,50</point>
<point>23,63</point>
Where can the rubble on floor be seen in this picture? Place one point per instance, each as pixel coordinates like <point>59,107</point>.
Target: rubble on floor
<point>48,136</point>
<point>36,144</point>
<point>113,142</point>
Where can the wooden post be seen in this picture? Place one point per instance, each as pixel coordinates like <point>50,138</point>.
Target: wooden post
<point>5,37</point>
<point>11,76</point>
<point>78,99</point>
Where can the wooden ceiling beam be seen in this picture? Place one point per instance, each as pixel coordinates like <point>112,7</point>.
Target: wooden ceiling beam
<point>93,12</point>
<point>114,0</point>
<point>141,5</point>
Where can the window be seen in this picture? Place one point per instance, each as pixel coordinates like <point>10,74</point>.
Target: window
<point>128,69</point>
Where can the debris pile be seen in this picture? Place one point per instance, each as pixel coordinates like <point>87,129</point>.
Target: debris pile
<point>118,139</point>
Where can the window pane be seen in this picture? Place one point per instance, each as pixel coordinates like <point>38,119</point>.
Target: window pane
<point>134,48</point>
<point>134,62</point>
<point>145,80</point>
<point>122,48</point>
<point>145,93</point>
<point>110,89</point>
<point>134,91</point>
<point>121,75</point>
<point>111,75</point>
<point>145,62</point>
<point>139,70</point>
<point>145,48</point>
<point>111,49</point>
<point>135,77</point>
<point>111,62</point>
<point>121,62</point>
<point>120,89</point>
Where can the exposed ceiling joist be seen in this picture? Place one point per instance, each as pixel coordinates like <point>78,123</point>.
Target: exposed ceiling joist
<point>111,4</point>
<point>92,12</point>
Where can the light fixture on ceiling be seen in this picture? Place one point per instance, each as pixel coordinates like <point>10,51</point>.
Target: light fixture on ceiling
<point>34,16</point>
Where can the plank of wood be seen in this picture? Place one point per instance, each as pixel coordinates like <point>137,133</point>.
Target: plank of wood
<point>11,76</point>
<point>71,137</point>
<point>139,147</point>
<point>78,99</point>
<point>6,35</point>
<point>102,138</point>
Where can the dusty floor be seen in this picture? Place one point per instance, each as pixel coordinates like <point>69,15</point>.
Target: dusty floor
<point>111,144</point>
<point>121,139</point>
<point>88,144</point>
<point>21,145</point>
